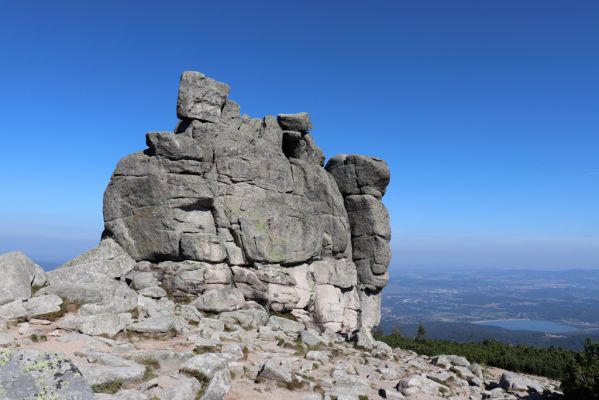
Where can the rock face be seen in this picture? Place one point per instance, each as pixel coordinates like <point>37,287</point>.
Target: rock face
<point>228,201</point>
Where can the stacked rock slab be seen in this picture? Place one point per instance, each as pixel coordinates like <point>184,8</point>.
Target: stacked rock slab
<point>229,201</point>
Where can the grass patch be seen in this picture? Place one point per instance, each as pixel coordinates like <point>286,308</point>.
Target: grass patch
<point>246,352</point>
<point>150,362</point>
<point>36,338</point>
<point>295,385</point>
<point>285,315</point>
<point>35,289</point>
<point>362,397</point>
<point>205,349</point>
<point>149,374</point>
<point>108,387</point>
<point>199,376</point>
<point>66,307</point>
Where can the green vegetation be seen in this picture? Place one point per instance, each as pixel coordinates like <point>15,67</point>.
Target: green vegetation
<point>65,308</point>
<point>286,315</point>
<point>151,366</point>
<point>36,337</point>
<point>550,362</point>
<point>108,388</point>
<point>421,333</point>
<point>578,371</point>
<point>581,380</point>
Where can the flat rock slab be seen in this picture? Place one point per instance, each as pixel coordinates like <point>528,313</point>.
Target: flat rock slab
<point>31,374</point>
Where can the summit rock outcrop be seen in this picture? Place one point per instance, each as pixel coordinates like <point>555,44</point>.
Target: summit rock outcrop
<point>230,202</point>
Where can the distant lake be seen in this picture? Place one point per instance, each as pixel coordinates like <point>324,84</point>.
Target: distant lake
<point>529,325</point>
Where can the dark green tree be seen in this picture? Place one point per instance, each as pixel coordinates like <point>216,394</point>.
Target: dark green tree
<point>420,333</point>
<point>395,330</point>
<point>582,376</point>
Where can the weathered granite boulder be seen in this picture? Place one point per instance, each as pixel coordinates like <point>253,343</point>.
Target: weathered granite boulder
<point>229,209</point>
<point>32,374</point>
<point>19,274</point>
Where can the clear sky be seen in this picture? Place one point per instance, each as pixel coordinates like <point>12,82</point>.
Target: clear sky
<point>486,111</point>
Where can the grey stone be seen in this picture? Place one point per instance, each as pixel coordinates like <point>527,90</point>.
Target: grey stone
<point>251,318</point>
<point>312,338</point>
<point>6,340</point>
<point>303,148</point>
<point>96,292</point>
<point>207,364</point>
<point>202,247</point>
<point>286,325</point>
<point>155,292</point>
<point>185,389</point>
<point>218,386</point>
<point>356,174</point>
<point>219,300</point>
<point>275,370</point>
<point>200,97</point>
<point>13,310</point>
<point>18,273</point>
<point>42,305</point>
<point>513,382</point>
<point>108,259</point>
<point>156,324</point>
<point>299,122</point>
<point>98,324</point>
<point>32,374</point>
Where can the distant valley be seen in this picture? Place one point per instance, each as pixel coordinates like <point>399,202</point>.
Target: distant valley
<point>450,303</point>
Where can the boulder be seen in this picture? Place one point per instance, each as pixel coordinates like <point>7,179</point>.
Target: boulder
<point>517,383</point>
<point>219,300</point>
<point>13,310</point>
<point>32,374</point>
<point>286,325</point>
<point>43,305</point>
<point>107,259</point>
<point>200,97</point>
<point>95,292</point>
<point>275,370</point>
<point>206,365</point>
<point>158,324</point>
<point>95,325</point>
<point>19,274</point>
<point>299,122</point>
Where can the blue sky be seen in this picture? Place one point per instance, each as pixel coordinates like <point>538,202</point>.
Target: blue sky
<point>486,111</point>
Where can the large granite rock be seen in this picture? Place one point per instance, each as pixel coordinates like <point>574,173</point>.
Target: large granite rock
<point>232,202</point>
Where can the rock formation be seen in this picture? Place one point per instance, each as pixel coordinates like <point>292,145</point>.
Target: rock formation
<point>244,204</point>
<point>209,232</point>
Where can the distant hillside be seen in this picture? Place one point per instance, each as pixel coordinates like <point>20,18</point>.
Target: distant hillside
<point>462,332</point>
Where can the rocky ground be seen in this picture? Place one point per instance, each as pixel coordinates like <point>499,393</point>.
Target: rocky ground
<point>247,354</point>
